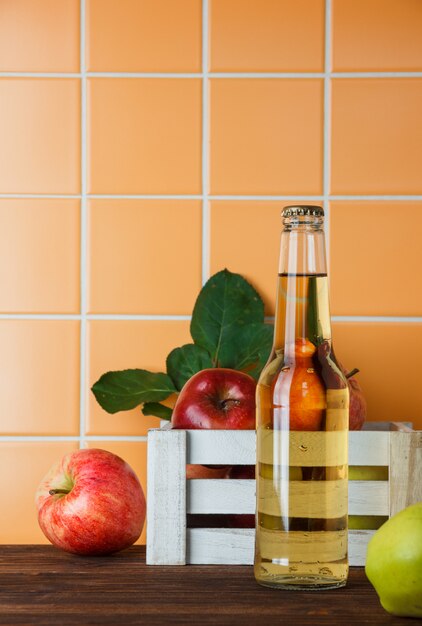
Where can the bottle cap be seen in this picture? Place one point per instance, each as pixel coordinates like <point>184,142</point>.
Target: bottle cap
<point>302,209</point>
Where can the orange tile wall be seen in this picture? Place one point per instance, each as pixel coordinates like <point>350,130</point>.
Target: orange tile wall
<point>146,144</point>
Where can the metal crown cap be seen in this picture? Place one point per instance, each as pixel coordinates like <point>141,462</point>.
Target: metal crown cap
<point>296,210</point>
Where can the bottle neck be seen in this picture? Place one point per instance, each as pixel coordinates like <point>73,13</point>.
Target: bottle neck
<point>302,312</point>
<point>302,250</point>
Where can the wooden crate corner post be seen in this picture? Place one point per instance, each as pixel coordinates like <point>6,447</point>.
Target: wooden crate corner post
<point>405,467</point>
<point>166,487</point>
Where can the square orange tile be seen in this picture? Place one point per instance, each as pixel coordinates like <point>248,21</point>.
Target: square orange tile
<point>145,256</point>
<point>376,258</point>
<point>144,135</point>
<point>39,251</point>
<point>377,35</point>
<point>40,131</point>
<point>39,377</point>
<point>254,251</point>
<point>127,344</point>
<point>144,35</point>
<point>376,136</point>
<point>28,463</point>
<point>387,355</point>
<point>267,35</point>
<point>135,454</point>
<point>41,36</point>
<point>266,136</point>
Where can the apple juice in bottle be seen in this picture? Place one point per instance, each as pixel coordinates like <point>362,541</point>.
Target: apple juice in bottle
<point>302,424</point>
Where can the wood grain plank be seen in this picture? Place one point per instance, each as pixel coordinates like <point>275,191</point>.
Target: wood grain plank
<point>221,447</point>
<point>166,512</point>
<point>302,448</point>
<point>405,470</point>
<point>237,447</point>
<point>212,496</point>
<point>44,586</point>
<point>236,546</point>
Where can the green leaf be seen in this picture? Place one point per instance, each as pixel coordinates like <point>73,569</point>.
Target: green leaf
<point>157,409</point>
<point>126,389</point>
<point>226,301</point>
<point>315,333</point>
<point>184,362</point>
<point>247,348</point>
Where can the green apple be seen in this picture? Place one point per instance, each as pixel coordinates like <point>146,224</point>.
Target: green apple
<point>292,473</point>
<point>394,562</point>
<point>366,522</point>
<point>364,472</point>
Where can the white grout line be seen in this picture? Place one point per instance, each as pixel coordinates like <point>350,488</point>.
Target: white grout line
<point>377,318</point>
<point>157,318</point>
<point>40,75</point>
<point>293,75</point>
<point>107,316</point>
<point>327,128</point>
<point>261,197</point>
<point>83,241</point>
<point>376,74</point>
<point>146,196</point>
<point>319,198</point>
<point>369,319</point>
<point>205,146</point>
<point>39,316</point>
<point>375,198</point>
<point>176,75</point>
<point>90,316</point>
<point>38,195</point>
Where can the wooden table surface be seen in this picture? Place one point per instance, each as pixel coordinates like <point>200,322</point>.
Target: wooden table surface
<point>41,585</point>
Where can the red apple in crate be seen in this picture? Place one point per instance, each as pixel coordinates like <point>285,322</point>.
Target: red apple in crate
<point>357,406</point>
<point>92,503</point>
<point>241,472</point>
<point>202,471</point>
<point>216,398</point>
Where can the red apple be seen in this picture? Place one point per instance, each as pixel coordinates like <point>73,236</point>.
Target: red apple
<point>357,408</point>
<point>91,502</point>
<point>202,471</point>
<point>357,402</point>
<point>216,398</point>
<point>241,472</point>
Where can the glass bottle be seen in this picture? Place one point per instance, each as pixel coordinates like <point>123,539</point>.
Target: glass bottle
<point>302,424</point>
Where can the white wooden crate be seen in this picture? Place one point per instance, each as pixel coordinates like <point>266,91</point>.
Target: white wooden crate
<point>171,496</point>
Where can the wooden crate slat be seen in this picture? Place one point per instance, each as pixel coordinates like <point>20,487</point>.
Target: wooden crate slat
<point>238,496</point>
<point>369,448</point>
<point>238,447</point>
<point>303,449</point>
<point>405,470</point>
<point>166,512</point>
<point>368,497</point>
<point>220,496</point>
<point>225,546</point>
<point>217,447</point>
<point>220,546</point>
<point>358,544</point>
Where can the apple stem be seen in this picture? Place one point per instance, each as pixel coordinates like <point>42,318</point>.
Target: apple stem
<point>53,492</point>
<point>352,372</point>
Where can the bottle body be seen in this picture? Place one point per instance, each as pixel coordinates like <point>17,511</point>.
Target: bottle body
<point>302,432</point>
